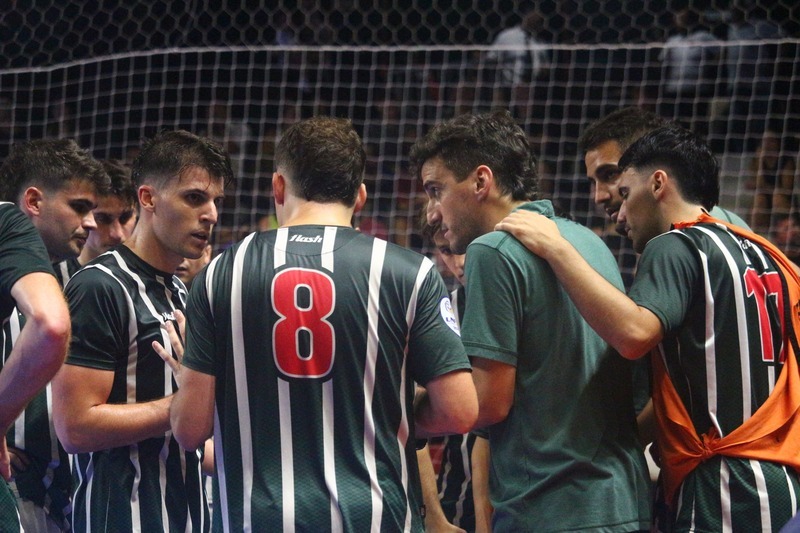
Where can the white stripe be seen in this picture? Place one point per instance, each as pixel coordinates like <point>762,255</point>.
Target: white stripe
<point>240,377</point>
<point>763,495</point>
<point>136,511</point>
<point>373,312</point>
<point>404,429</point>
<point>281,240</point>
<point>329,455</point>
<point>725,495</point>
<point>219,470</point>
<point>212,267</point>
<point>467,464</point>
<point>19,423</point>
<point>741,322</point>
<point>88,494</point>
<point>792,495</point>
<point>287,455</point>
<point>162,478</point>
<point>328,242</point>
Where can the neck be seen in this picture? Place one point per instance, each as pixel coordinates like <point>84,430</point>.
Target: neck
<point>328,214</point>
<point>147,246</point>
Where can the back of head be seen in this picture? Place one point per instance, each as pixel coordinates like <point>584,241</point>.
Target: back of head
<point>166,155</point>
<point>121,183</point>
<point>50,165</point>
<point>492,139</point>
<point>623,126</point>
<point>322,159</point>
<point>682,154</point>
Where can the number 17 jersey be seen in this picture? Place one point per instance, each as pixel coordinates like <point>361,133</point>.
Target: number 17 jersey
<point>316,335</point>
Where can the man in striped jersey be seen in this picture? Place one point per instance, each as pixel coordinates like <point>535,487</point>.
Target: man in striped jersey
<point>556,400</point>
<point>114,392</point>
<point>303,347</point>
<point>56,184</point>
<point>27,287</point>
<point>709,298</point>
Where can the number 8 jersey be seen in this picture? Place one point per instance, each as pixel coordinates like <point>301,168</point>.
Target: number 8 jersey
<point>315,336</point>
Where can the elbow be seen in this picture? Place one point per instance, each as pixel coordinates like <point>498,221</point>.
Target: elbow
<point>72,439</point>
<point>189,434</point>
<point>465,420</point>
<point>490,415</point>
<point>53,328</point>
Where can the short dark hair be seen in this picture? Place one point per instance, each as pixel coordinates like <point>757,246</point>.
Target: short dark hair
<point>167,154</point>
<point>121,182</point>
<point>686,157</point>
<point>49,164</point>
<point>623,126</point>
<point>323,158</point>
<point>493,139</point>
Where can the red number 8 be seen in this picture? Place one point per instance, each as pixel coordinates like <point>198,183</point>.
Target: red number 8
<point>309,319</point>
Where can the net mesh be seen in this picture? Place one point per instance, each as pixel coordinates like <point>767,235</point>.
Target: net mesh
<point>395,71</point>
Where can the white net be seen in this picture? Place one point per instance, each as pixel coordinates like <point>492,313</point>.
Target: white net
<point>181,70</point>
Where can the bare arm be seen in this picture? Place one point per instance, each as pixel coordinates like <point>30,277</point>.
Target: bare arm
<point>192,413</point>
<point>494,382</point>
<point>85,422</point>
<point>630,329</point>
<point>480,486</point>
<point>41,346</point>
<point>435,521</point>
<point>448,406</point>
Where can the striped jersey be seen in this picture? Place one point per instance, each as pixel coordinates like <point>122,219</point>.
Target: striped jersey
<point>719,298</point>
<point>47,480</point>
<point>21,252</point>
<point>454,481</point>
<point>316,335</point>
<point>118,305</point>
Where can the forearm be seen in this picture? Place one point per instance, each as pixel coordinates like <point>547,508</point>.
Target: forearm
<point>192,411</point>
<point>480,486</point>
<point>628,328</point>
<point>106,426</point>
<point>430,493</point>
<point>35,358</point>
<point>448,405</point>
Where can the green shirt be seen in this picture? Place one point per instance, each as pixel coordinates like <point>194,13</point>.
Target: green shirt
<point>567,456</point>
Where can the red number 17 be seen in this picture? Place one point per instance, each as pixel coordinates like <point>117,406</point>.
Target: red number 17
<point>766,285</point>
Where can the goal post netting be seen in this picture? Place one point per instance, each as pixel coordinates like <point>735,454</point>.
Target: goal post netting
<point>244,96</point>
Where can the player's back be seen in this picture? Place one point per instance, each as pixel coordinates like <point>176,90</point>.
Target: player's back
<point>312,329</point>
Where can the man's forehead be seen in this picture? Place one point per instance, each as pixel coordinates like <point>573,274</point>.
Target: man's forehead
<point>605,153</point>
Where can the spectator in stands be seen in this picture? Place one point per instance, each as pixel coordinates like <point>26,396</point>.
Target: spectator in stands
<point>749,70</point>
<point>786,235</point>
<point>688,71</point>
<point>527,61</point>
<point>774,167</point>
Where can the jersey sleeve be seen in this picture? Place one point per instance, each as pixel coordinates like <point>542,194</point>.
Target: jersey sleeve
<point>666,279</point>
<point>200,345</point>
<point>100,311</point>
<point>434,345</point>
<point>22,252</point>
<point>492,317</point>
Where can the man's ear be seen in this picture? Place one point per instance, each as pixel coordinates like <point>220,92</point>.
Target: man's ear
<point>31,201</point>
<point>361,198</point>
<point>278,188</point>
<point>484,181</point>
<point>658,183</point>
<point>146,200</point>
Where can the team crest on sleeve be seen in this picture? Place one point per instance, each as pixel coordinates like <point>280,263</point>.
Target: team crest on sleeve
<point>446,310</point>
